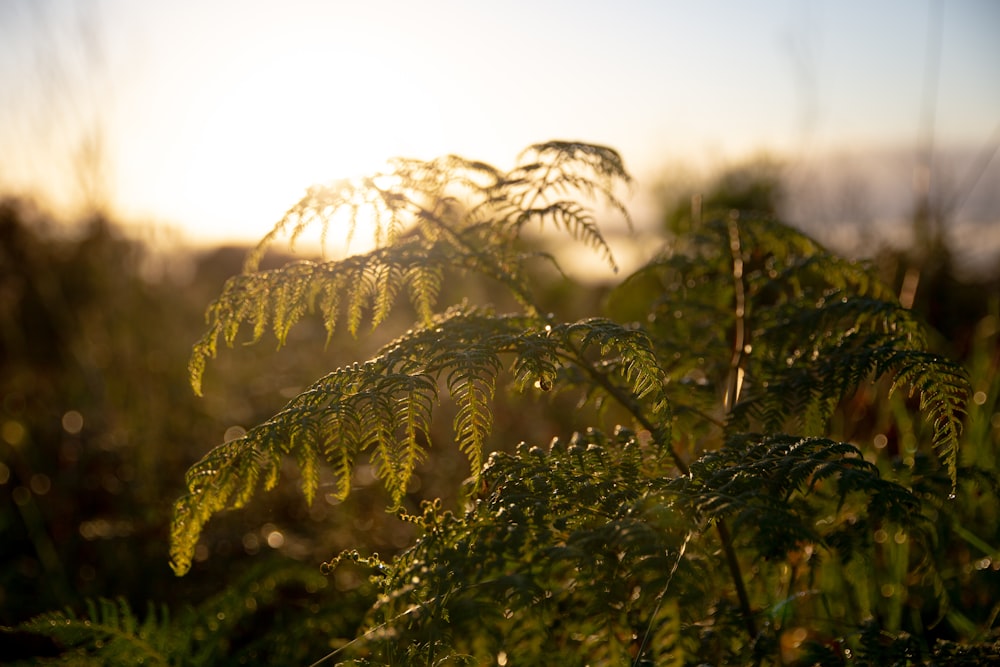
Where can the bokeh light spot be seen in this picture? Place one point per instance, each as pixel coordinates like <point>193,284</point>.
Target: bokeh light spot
<point>40,484</point>
<point>72,422</point>
<point>13,432</point>
<point>275,539</point>
<point>21,495</point>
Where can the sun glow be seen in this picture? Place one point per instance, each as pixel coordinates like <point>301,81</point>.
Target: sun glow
<point>266,128</point>
<point>342,217</point>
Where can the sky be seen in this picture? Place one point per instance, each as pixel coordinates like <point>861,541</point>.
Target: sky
<point>215,115</point>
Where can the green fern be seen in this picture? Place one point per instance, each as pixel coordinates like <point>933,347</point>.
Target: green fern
<point>740,325</point>
<point>816,328</point>
<point>515,573</point>
<point>219,630</point>
<point>110,629</point>
<point>428,217</point>
<point>757,482</point>
<point>382,408</point>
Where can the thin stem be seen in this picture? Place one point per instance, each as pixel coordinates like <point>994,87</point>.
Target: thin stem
<point>485,259</point>
<point>625,400</point>
<point>734,384</point>
<point>734,569</point>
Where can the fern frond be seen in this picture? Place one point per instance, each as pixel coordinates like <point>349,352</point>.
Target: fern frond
<point>360,293</point>
<point>755,480</point>
<point>428,217</point>
<point>424,285</point>
<point>562,168</point>
<point>471,384</point>
<point>573,218</point>
<point>536,360</point>
<point>291,299</point>
<point>819,326</point>
<point>110,629</point>
<point>383,407</point>
<point>342,442</point>
<point>849,341</point>
<point>683,300</point>
<point>944,391</point>
<point>822,271</point>
<point>281,297</point>
<point>226,477</point>
<point>396,417</point>
<point>508,574</point>
<point>379,200</point>
<point>798,329</point>
<point>429,195</point>
<point>630,352</point>
<point>304,443</point>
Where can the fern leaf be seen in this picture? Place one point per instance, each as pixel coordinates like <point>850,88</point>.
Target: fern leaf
<point>341,442</point>
<point>536,360</point>
<point>380,435</point>
<point>362,408</point>
<point>226,477</point>
<point>471,384</point>
<point>819,326</point>
<point>110,629</point>
<point>428,217</point>
<point>383,407</point>
<point>304,443</point>
<point>397,417</point>
<point>544,522</point>
<point>205,349</point>
<point>329,303</point>
<point>944,391</point>
<point>754,480</point>
<point>360,294</point>
<point>424,285</point>
<point>291,298</point>
<point>572,217</point>
<point>631,352</point>
<point>414,407</point>
<point>387,283</point>
<point>564,167</point>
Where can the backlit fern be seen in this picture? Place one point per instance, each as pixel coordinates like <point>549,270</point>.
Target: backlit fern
<point>727,356</point>
<point>430,217</point>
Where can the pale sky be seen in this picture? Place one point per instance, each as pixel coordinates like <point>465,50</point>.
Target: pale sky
<point>215,115</point>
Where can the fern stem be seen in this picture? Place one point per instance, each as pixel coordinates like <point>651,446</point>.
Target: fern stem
<point>719,423</point>
<point>626,402</point>
<point>661,596</point>
<point>734,568</point>
<point>495,270</point>
<point>734,383</point>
